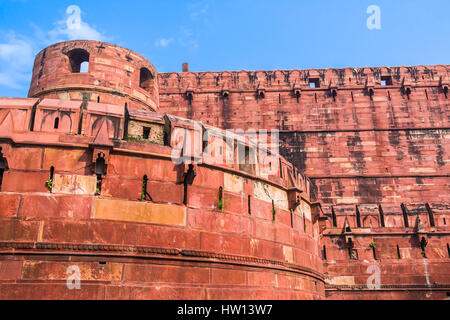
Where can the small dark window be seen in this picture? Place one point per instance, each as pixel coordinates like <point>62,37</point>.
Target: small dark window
<point>281,169</point>
<point>52,172</point>
<point>333,216</point>
<point>314,83</point>
<point>405,216</point>
<point>399,254</point>
<point>381,216</point>
<point>146,134</point>
<point>445,222</point>
<point>324,252</point>
<point>358,217</point>
<point>249,205</point>
<point>79,61</point>
<point>3,167</point>
<point>353,254</point>
<point>146,79</point>
<point>430,215</point>
<point>56,125</point>
<point>386,81</point>
<point>2,171</point>
<point>448,250</point>
<point>274,212</point>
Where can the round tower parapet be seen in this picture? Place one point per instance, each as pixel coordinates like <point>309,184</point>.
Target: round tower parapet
<point>95,71</point>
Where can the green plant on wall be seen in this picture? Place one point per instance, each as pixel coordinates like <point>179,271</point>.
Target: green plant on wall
<point>220,201</point>
<point>372,245</point>
<point>49,184</point>
<point>144,190</point>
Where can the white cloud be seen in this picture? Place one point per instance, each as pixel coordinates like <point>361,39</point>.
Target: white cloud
<point>197,10</point>
<point>16,60</point>
<point>83,32</point>
<point>187,38</point>
<point>17,51</point>
<point>163,43</point>
<point>74,28</point>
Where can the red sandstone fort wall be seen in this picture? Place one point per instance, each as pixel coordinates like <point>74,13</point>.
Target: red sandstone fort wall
<point>374,142</point>
<point>360,141</point>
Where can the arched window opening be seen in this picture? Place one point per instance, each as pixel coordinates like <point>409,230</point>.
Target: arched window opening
<point>56,125</point>
<point>146,79</point>
<point>79,61</point>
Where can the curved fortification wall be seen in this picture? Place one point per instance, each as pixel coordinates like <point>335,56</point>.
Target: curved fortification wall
<point>97,72</point>
<point>119,210</point>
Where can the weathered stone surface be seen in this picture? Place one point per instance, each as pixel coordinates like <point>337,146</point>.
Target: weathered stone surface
<point>141,212</point>
<point>74,184</point>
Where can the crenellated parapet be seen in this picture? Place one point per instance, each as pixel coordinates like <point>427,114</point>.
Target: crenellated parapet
<point>296,81</point>
<point>390,248</point>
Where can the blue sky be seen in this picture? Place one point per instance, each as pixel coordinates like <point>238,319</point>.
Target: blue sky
<point>230,34</point>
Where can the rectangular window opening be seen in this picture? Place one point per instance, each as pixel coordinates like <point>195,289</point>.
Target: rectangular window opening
<point>386,81</point>
<point>333,215</point>
<point>358,217</point>
<point>430,215</point>
<point>381,216</point>
<point>353,254</point>
<point>405,216</point>
<point>1,178</point>
<point>281,169</point>
<point>314,83</point>
<point>146,133</point>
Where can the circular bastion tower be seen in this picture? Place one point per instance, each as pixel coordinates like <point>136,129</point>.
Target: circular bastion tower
<point>99,200</point>
<point>97,72</point>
